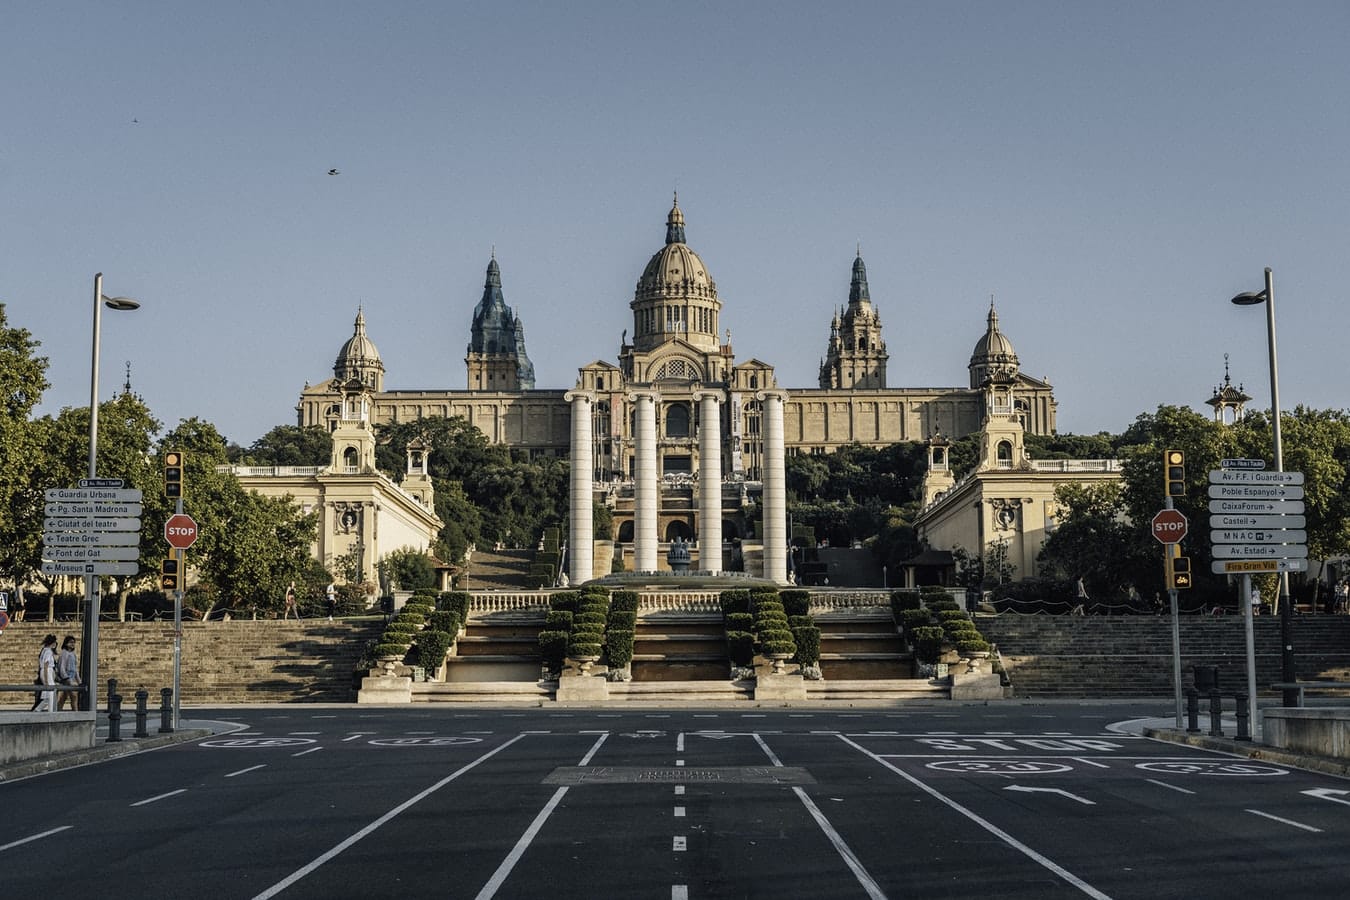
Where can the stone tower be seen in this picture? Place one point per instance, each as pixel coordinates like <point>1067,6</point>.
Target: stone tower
<point>856,355</point>
<point>496,358</point>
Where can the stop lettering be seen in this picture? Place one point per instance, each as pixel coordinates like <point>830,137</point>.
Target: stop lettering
<point>180,531</point>
<point>1169,526</point>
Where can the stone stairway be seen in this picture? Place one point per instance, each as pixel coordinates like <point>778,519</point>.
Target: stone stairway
<point>1131,656</point>
<point>240,661</point>
<point>862,644</point>
<point>671,646</point>
<point>497,570</point>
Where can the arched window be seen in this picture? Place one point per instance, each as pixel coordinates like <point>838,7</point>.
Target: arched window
<point>1004,454</point>
<point>677,420</point>
<point>350,458</point>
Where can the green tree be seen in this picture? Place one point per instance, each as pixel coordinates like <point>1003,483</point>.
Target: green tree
<point>408,569</point>
<point>1092,541</point>
<point>23,378</point>
<point>291,445</point>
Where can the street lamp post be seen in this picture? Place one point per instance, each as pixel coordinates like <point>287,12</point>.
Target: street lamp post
<point>89,647</point>
<point>1249,298</point>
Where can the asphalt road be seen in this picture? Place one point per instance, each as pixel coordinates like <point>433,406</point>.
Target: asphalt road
<point>1009,802</point>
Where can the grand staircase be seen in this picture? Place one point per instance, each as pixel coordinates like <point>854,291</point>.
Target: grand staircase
<point>497,570</point>
<point>1131,656</point>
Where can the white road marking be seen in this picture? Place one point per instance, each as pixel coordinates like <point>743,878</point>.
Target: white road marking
<point>679,762</point>
<point>1090,762</point>
<point>1257,812</point>
<point>1045,790</point>
<point>586,760</point>
<point>860,872</point>
<point>160,797</point>
<point>356,736</point>
<point>679,790</point>
<point>985,824</point>
<point>679,844</point>
<point>243,771</point>
<point>679,742</point>
<point>1332,794</point>
<point>679,892</point>
<point>382,820</point>
<point>679,812</point>
<point>1170,787</point>
<point>310,750</point>
<point>297,733</point>
<point>499,876</point>
<point>35,837</point>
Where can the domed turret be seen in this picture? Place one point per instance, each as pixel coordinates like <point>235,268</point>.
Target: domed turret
<point>358,359</point>
<point>993,357</point>
<point>675,298</point>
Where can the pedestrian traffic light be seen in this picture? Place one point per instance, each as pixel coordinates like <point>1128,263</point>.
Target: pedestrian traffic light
<point>169,574</point>
<point>1174,473</point>
<point>173,475</point>
<point>1181,573</point>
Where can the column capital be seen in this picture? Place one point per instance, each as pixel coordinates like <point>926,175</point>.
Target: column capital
<point>651,394</point>
<point>772,394</point>
<point>588,396</point>
<point>702,393</point>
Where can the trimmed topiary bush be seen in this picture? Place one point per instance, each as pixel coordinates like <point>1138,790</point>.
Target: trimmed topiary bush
<point>444,620</point>
<point>972,645</point>
<point>739,622</point>
<point>807,639</point>
<point>623,601</point>
<point>431,649</point>
<point>558,620</point>
<point>619,647</point>
<point>905,599</point>
<point>735,601</point>
<point>456,602</point>
<point>928,644</point>
<point>564,600</point>
<point>947,615</point>
<point>553,647</point>
<point>796,602</point>
<point>621,619</point>
<point>741,647</point>
<point>389,648</point>
<point>915,618</point>
<point>582,644</point>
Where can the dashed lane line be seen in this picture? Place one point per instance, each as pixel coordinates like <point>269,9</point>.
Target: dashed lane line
<point>1266,815</point>
<point>246,771</point>
<point>1170,787</point>
<point>158,797</point>
<point>35,837</point>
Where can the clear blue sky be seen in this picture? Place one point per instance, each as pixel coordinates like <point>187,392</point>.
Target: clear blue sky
<point>1112,173</point>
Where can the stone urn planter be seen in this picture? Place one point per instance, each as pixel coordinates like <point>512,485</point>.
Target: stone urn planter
<point>779,661</point>
<point>586,662</point>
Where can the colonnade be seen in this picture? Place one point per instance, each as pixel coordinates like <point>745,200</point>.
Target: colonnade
<point>647,484</point>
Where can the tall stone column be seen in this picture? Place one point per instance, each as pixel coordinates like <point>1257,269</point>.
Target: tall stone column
<point>646,487</point>
<point>775,486</point>
<point>581,526</point>
<point>709,480</point>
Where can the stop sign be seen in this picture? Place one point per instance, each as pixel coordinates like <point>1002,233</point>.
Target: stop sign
<point>180,531</point>
<point>1169,526</point>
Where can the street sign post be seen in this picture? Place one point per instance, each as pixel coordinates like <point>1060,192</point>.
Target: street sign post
<point>1256,566</point>
<point>1169,526</point>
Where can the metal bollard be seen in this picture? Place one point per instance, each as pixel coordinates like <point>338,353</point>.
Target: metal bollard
<point>166,710</point>
<point>1215,714</point>
<point>141,697</point>
<point>114,715</point>
<point>1244,719</point>
<point>1192,711</point>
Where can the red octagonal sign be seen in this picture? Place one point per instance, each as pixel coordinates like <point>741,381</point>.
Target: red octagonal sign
<point>180,531</point>
<point>1169,526</point>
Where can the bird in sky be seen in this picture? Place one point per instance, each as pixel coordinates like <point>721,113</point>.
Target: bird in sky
<point>333,172</point>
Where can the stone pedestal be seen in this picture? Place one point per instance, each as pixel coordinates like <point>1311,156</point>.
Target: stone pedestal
<point>385,689</point>
<point>576,686</point>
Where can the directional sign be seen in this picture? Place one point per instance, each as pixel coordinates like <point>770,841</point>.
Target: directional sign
<point>1255,492</point>
<point>91,538</point>
<point>1269,507</point>
<point>86,554</point>
<point>1258,521</point>
<point>93,509</point>
<point>1252,536</point>
<point>102,482</point>
<point>93,495</point>
<point>90,524</point>
<point>1169,526</point>
<point>89,568</point>
<point>1226,476</point>
<point>1255,566</point>
<point>1242,463</point>
<point>1260,551</point>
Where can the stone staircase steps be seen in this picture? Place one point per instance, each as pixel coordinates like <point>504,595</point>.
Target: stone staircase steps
<point>497,570</point>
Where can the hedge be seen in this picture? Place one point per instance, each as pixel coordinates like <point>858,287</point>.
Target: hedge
<point>796,602</point>
<point>807,639</point>
<point>431,648</point>
<point>619,647</point>
<point>928,643</point>
<point>735,601</point>
<point>444,620</point>
<point>914,618</point>
<point>741,647</point>
<point>622,619</point>
<point>623,601</point>
<point>456,602</point>
<point>558,620</point>
<point>553,647</point>
<point>564,600</point>
<point>740,622</point>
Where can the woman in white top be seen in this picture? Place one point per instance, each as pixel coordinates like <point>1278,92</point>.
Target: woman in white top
<point>47,674</point>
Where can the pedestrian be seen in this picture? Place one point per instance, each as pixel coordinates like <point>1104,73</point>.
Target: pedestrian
<point>330,595</point>
<point>290,604</point>
<point>68,672</point>
<point>1080,608</point>
<point>1343,596</point>
<point>45,701</point>
<point>1256,600</point>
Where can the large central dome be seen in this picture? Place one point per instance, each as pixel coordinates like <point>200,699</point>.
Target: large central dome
<point>675,298</point>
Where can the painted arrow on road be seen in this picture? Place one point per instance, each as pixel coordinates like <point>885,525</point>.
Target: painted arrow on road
<point>1036,790</point>
<point>1327,794</point>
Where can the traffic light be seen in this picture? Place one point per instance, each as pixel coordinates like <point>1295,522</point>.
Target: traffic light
<point>170,573</point>
<point>173,475</point>
<point>1174,473</point>
<point>1181,573</point>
